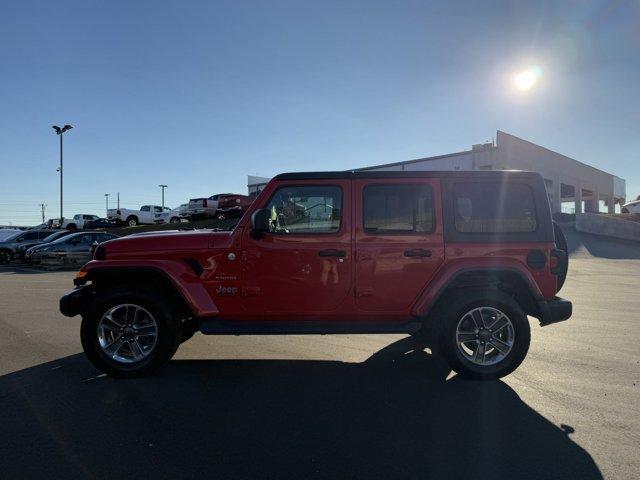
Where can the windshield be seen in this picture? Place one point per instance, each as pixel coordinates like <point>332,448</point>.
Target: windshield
<point>64,238</point>
<point>53,236</point>
<point>12,237</point>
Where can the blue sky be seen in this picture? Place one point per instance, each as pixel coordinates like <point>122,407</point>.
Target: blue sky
<point>199,94</point>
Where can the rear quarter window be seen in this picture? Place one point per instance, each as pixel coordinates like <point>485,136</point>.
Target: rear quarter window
<point>488,207</point>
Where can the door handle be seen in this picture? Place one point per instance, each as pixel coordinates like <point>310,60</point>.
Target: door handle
<point>332,252</point>
<point>417,252</point>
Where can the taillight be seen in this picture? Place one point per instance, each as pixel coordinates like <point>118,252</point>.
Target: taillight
<point>117,212</point>
<point>561,261</point>
<point>204,203</point>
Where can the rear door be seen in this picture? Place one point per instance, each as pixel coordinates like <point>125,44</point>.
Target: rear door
<point>399,241</point>
<point>303,266</point>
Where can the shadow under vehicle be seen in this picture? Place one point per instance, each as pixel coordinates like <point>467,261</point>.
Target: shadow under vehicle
<point>393,416</point>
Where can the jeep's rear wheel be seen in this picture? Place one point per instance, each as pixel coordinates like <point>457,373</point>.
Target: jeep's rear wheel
<point>484,334</point>
<point>129,332</point>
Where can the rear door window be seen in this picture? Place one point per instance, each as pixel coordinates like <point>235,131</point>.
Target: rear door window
<point>398,208</point>
<point>489,207</point>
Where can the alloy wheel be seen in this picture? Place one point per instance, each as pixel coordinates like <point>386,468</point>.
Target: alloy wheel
<point>127,333</point>
<point>5,258</point>
<point>485,336</point>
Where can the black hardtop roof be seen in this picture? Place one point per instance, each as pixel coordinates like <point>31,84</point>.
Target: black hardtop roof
<point>465,174</point>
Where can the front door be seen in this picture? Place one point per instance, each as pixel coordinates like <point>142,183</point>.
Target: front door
<point>399,242</point>
<point>79,249</point>
<point>303,265</point>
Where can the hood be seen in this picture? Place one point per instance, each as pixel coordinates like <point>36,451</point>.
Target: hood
<point>169,240</point>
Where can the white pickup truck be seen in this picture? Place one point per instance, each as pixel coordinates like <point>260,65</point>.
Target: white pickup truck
<point>75,223</point>
<point>148,214</point>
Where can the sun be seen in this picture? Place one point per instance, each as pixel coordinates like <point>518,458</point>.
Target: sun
<point>527,79</point>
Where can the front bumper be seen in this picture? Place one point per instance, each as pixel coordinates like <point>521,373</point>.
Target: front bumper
<point>554,311</point>
<point>74,302</point>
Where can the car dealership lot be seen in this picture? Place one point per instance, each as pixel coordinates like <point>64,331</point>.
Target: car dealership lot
<point>367,406</point>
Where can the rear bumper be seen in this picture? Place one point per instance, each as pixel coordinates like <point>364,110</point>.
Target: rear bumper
<point>554,311</point>
<point>74,301</point>
<point>235,208</point>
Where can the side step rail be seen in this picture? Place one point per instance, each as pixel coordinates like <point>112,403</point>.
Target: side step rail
<point>214,326</point>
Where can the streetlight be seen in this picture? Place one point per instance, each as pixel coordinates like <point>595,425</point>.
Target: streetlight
<point>106,196</point>
<point>163,187</point>
<point>59,132</point>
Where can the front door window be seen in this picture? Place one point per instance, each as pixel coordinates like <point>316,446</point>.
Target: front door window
<point>305,210</point>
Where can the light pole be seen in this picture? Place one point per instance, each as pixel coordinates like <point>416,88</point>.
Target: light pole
<point>163,187</point>
<point>43,206</point>
<point>59,132</point>
<point>106,196</point>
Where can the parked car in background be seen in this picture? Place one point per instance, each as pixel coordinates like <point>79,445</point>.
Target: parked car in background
<point>21,250</point>
<point>99,223</point>
<point>74,249</point>
<point>8,232</point>
<point>222,205</point>
<point>146,215</point>
<point>176,215</point>
<point>631,207</point>
<point>233,205</point>
<point>75,223</point>
<point>9,246</point>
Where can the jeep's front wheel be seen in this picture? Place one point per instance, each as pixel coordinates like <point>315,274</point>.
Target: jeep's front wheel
<point>129,332</point>
<point>484,335</point>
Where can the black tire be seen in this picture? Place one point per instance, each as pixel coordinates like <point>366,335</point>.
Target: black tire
<point>5,257</point>
<point>188,330</point>
<point>561,244</point>
<point>132,221</point>
<point>174,220</point>
<point>168,332</point>
<point>72,226</point>
<point>455,309</point>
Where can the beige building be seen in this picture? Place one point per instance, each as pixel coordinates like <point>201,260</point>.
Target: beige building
<point>572,186</point>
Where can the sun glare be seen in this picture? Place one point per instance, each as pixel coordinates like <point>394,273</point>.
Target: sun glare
<point>526,80</point>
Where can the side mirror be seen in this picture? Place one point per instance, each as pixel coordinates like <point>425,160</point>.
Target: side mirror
<point>94,245</point>
<point>260,222</point>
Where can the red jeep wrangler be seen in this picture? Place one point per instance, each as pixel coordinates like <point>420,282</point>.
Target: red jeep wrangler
<point>468,253</point>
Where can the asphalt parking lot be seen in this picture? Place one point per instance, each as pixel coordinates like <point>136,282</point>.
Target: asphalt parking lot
<point>328,406</point>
